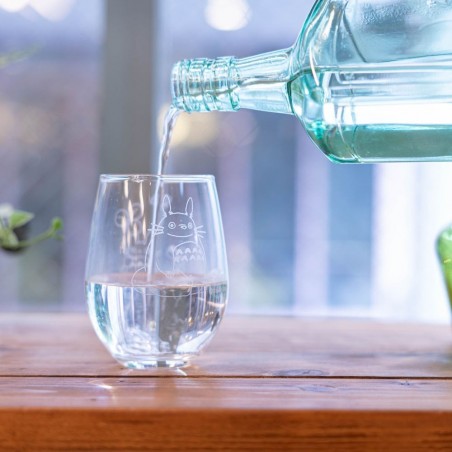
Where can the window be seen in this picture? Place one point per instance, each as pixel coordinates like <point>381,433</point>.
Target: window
<point>305,236</point>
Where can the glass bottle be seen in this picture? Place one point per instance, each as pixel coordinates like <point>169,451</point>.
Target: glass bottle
<point>371,80</point>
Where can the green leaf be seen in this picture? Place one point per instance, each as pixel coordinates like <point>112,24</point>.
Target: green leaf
<point>57,224</point>
<point>9,239</point>
<point>19,218</point>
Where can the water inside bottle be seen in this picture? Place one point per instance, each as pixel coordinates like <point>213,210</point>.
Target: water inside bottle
<point>374,112</point>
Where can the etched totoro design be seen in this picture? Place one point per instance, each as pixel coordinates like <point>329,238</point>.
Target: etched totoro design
<point>176,243</point>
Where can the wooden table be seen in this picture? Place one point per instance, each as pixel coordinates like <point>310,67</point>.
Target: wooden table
<point>267,383</point>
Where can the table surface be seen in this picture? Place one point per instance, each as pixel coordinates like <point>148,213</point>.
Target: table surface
<point>263,383</point>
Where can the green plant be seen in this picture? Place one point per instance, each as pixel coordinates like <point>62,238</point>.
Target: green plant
<point>14,228</point>
<point>14,223</point>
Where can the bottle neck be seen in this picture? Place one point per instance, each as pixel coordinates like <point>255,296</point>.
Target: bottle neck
<point>228,84</point>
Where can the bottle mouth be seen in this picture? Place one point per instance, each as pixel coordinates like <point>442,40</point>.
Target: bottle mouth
<point>178,85</point>
<point>205,85</point>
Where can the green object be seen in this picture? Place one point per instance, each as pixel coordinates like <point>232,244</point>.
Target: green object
<point>444,249</point>
<point>369,79</point>
<point>14,229</point>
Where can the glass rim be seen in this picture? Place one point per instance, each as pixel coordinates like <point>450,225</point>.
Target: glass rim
<point>163,177</point>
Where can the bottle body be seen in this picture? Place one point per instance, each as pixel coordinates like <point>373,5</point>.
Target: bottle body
<point>370,80</point>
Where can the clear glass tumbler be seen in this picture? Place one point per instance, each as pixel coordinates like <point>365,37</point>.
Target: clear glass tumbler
<point>156,274</point>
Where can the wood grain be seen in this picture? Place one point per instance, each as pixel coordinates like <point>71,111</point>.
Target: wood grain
<point>65,344</point>
<point>263,384</point>
<point>279,394</point>
<point>227,430</point>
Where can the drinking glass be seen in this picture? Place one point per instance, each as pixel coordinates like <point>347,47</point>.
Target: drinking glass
<point>156,273</point>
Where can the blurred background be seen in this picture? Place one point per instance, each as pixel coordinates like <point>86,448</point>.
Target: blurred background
<point>304,236</point>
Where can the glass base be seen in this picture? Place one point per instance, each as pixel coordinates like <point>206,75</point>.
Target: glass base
<point>153,363</point>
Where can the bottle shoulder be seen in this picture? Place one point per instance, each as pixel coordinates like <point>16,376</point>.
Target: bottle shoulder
<point>344,32</point>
